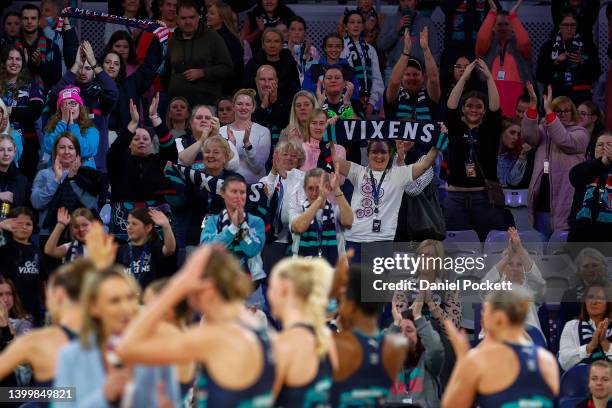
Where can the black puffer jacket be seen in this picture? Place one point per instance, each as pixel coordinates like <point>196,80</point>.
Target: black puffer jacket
<point>15,182</point>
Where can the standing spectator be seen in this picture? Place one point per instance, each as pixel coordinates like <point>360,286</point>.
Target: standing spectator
<point>560,145</point>
<point>144,256</point>
<point>593,178</point>
<point>197,61</point>
<point>508,56</point>
<point>242,234</point>
<point>315,128</point>
<point>474,126</point>
<point>44,57</point>
<point>462,20</point>
<point>450,77</point>
<point>273,54</point>
<point>267,14</point>
<point>591,118</point>
<point>177,116</point>
<point>221,19</point>
<point>418,379</point>
<point>225,110</point>
<point>304,53</point>
<point>98,91</point>
<point>122,43</point>
<point>316,224</point>
<point>78,223</point>
<point>21,260</point>
<point>251,139</point>
<point>167,13</point>
<point>412,95</point>
<point>13,185</point>
<point>364,60</point>
<point>136,173</point>
<point>11,22</point>
<point>587,338</point>
<point>586,11</point>
<point>303,104</point>
<point>407,19</point>
<point>512,156</point>
<point>333,44</point>
<point>600,385</point>
<point>128,9</point>
<point>25,101</point>
<point>73,117</point>
<point>569,62</point>
<point>335,95</point>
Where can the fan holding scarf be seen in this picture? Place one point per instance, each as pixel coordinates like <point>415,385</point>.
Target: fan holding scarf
<point>587,338</point>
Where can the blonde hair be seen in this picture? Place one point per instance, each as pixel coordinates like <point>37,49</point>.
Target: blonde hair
<point>564,100</point>
<point>7,136</point>
<point>224,144</point>
<point>5,114</point>
<point>316,112</point>
<point>92,325</point>
<point>251,93</point>
<point>231,282</point>
<point>312,280</point>
<point>169,121</point>
<point>438,253</point>
<point>294,123</point>
<point>513,303</point>
<point>228,17</point>
<point>288,145</point>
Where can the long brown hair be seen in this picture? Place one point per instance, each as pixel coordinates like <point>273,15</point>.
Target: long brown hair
<point>17,311</point>
<point>83,120</point>
<point>584,314</point>
<point>69,136</point>
<point>229,18</point>
<point>23,79</point>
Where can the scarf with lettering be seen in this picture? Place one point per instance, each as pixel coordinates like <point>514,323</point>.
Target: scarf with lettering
<point>585,334</point>
<point>413,108</point>
<point>560,46</point>
<point>76,250</point>
<point>360,60</point>
<point>597,200</point>
<point>320,238</point>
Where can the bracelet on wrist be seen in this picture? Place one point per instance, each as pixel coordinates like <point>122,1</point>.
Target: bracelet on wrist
<point>339,195</point>
<point>406,54</point>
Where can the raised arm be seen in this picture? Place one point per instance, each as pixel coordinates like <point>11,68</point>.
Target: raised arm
<point>455,95</point>
<point>431,68</point>
<point>485,34</point>
<point>494,104</point>
<point>51,248</point>
<point>395,81</point>
<point>420,167</point>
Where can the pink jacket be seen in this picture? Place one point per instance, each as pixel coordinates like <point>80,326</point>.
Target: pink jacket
<point>568,145</point>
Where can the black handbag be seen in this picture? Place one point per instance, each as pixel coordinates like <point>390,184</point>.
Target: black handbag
<point>495,192</point>
<point>421,216</point>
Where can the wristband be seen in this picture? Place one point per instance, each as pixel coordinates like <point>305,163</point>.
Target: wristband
<point>405,54</point>
<point>339,195</point>
<point>531,113</point>
<point>550,117</point>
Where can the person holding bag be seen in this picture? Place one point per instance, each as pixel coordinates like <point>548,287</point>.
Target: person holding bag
<point>475,199</point>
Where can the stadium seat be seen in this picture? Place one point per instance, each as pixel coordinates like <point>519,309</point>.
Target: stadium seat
<point>105,214</point>
<point>466,242</point>
<point>516,198</point>
<point>536,335</point>
<point>556,243</point>
<point>574,382</point>
<point>496,242</point>
<point>569,402</point>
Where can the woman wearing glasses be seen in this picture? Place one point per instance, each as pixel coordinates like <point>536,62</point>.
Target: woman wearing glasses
<point>591,118</point>
<point>587,338</point>
<point>569,62</point>
<point>560,145</point>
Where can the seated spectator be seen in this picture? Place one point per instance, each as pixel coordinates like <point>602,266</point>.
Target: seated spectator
<point>266,14</point>
<point>517,267</point>
<point>128,9</point>
<point>587,338</point>
<point>11,23</point>
<point>512,156</point>
<point>225,110</point>
<point>283,184</point>
<point>375,213</point>
<point>333,44</point>
<point>78,223</point>
<point>122,43</point>
<point>14,188</point>
<point>21,263</point>
<point>144,257</point>
<point>591,118</point>
<point>136,173</point>
<point>394,28</point>
<point>591,269</point>
<point>198,78</point>
<point>303,104</point>
<point>335,95</point>
<point>98,91</point>
<point>14,320</point>
<point>202,125</point>
<point>315,128</point>
<point>222,19</point>
<point>87,364</point>
<point>521,106</point>
<point>250,139</point>
<point>413,93</point>
<point>503,43</point>
<point>177,116</point>
<point>304,53</point>
<point>569,62</point>
<point>24,98</point>
<point>560,145</point>
<point>600,385</point>
<point>73,117</point>
<point>364,60</point>
<point>273,54</point>
<point>242,234</point>
<point>474,126</point>
<point>316,225</point>
<point>593,180</point>
<point>418,381</point>
<point>67,183</point>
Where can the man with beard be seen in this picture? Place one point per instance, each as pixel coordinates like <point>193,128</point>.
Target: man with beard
<point>412,95</point>
<point>44,57</point>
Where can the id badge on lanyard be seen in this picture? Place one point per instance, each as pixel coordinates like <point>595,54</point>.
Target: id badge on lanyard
<point>470,165</point>
<point>501,74</point>
<point>376,194</point>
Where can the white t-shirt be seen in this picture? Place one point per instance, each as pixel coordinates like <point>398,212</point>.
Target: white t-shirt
<point>253,162</point>
<point>362,202</point>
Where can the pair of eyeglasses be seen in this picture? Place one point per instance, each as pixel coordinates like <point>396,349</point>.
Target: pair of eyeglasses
<point>72,104</point>
<point>460,66</point>
<point>562,112</point>
<point>584,114</point>
<point>594,298</point>
<point>567,25</point>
